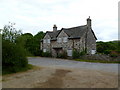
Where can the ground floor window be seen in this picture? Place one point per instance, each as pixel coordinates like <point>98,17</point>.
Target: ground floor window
<point>44,50</point>
<point>93,51</point>
<point>69,52</point>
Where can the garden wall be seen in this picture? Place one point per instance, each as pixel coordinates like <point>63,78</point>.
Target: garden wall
<point>100,57</point>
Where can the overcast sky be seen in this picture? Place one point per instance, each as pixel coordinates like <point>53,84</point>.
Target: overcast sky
<point>33,16</point>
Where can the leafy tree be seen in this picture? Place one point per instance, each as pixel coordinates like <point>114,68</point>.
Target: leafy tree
<point>13,54</point>
<point>108,47</point>
<point>37,39</point>
<point>10,33</point>
<point>13,57</point>
<point>26,41</point>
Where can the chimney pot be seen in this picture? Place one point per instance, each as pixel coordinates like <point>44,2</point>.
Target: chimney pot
<point>54,28</point>
<point>89,22</point>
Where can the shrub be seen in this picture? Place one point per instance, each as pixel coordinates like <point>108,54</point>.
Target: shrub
<point>46,54</point>
<point>13,57</point>
<point>75,54</point>
<point>82,53</point>
<point>62,55</point>
<point>114,54</point>
<point>107,52</point>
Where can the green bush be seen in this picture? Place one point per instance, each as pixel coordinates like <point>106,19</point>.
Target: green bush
<point>113,55</point>
<point>46,54</point>
<point>75,54</point>
<point>13,57</point>
<point>82,53</point>
<point>107,52</point>
<point>62,55</point>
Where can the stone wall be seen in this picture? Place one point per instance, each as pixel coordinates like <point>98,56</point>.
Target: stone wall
<point>91,42</point>
<point>100,57</point>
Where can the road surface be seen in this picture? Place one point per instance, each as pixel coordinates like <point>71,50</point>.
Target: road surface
<point>60,73</point>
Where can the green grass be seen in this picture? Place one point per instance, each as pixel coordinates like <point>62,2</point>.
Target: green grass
<point>97,61</point>
<point>29,66</point>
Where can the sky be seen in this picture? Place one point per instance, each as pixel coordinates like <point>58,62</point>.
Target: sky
<point>32,16</point>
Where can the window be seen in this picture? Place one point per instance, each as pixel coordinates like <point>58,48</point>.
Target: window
<point>44,41</point>
<point>65,39</point>
<point>93,51</point>
<point>44,50</point>
<point>48,40</point>
<point>69,52</point>
<point>59,40</point>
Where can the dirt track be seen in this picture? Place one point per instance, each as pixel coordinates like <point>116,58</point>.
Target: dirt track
<point>61,77</point>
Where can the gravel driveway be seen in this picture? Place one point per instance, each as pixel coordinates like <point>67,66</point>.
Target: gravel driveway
<point>60,73</point>
<point>40,61</point>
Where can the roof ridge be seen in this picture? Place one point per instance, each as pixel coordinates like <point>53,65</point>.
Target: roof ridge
<point>74,27</point>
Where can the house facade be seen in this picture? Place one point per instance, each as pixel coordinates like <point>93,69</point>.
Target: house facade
<point>67,39</point>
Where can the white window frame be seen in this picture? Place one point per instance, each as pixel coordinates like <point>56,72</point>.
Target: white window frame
<point>59,40</point>
<point>44,50</point>
<point>93,51</point>
<point>65,39</point>
<point>69,52</point>
<point>44,41</point>
<point>48,40</point>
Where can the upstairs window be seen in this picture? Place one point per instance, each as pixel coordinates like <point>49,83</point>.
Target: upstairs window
<point>44,41</point>
<point>48,40</point>
<point>65,39</point>
<point>59,40</point>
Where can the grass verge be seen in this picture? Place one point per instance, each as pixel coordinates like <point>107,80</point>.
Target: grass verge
<point>29,66</point>
<point>97,61</point>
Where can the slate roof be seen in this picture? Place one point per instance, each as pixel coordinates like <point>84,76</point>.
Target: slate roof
<point>74,32</point>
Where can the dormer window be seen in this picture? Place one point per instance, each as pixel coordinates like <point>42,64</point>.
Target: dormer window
<point>59,40</point>
<point>65,39</point>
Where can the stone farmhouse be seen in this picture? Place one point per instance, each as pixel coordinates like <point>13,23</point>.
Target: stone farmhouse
<point>67,39</point>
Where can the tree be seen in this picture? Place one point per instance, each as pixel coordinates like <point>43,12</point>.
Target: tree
<point>13,54</point>
<point>107,47</point>
<point>26,41</point>
<point>10,33</point>
<point>37,39</point>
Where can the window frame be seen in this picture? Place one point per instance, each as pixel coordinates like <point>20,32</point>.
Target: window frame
<point>44,41</point>
<point>59,40</point>
<point>44,50</point>
<point>48,40</point>
<point>65,39</point>
<point>69,52</point>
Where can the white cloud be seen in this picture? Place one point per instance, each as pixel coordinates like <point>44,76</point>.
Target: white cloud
<point>37,15</point>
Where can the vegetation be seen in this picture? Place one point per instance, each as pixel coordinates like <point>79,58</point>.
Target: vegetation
<point>28,67</point>
<point>97,61</point>
<point>46,54</point>
<point>37,39</point>
<point>62,55</point>
<point>76,54</point>
<point>111,48</point>
<point>13,53</point>
<point>31,43</point>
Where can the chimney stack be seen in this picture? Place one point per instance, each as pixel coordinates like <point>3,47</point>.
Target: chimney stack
<point>54,28</point>
<point>89,22</point>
